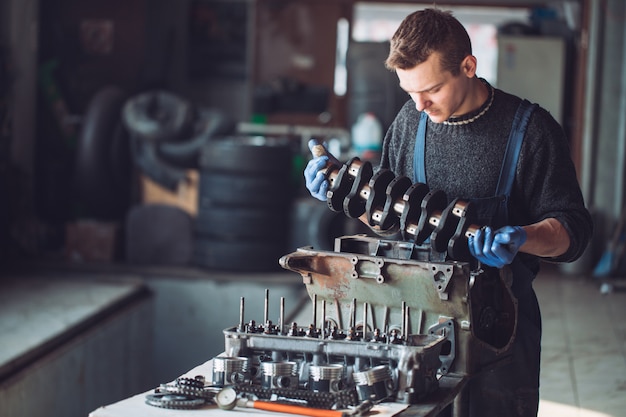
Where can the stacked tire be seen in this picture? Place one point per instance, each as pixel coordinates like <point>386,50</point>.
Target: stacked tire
<point>245,194</point>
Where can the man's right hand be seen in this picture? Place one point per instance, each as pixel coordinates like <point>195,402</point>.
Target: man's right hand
<point>316,181</point>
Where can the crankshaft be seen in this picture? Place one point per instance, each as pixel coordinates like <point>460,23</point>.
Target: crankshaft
<point>391,201</point>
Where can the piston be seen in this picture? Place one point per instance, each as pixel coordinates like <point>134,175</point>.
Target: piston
<point>326,378</point>
<point>375,384</point>
<point>280,375</point>
<point>229,370</point>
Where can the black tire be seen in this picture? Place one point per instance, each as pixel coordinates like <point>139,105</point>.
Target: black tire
<point>247,155</point>
<point>251,256</point>
<point>147,159</point>
<point>243,223</point>
<point>158,116</point>
<point>186,153</point>
<point>242,220</point>
<point>242,190</point>
<point>97,178</point>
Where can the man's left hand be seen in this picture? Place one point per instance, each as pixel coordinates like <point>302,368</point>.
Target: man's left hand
<point>497,248</point>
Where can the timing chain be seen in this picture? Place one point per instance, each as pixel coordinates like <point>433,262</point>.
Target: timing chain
<point>324,400</point>
<point>174,401</point>
<point>183,394</point>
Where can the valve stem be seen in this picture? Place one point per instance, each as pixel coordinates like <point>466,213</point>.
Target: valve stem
<point>365,306</point>
<point>403,330</point>
<point>282,315</point>
<point>266,307</point>
<point>241,327</point>
<point>314,312</point>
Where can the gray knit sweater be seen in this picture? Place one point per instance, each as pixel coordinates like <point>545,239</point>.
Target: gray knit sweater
<point>465,161</point>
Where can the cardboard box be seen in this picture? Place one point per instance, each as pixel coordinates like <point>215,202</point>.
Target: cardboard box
<point>185,196</point>
<point>91,241</point>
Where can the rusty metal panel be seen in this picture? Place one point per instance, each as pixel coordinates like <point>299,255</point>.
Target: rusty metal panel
<point>413,295</point>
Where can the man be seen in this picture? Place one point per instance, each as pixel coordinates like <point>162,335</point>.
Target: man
<point>453,135</point>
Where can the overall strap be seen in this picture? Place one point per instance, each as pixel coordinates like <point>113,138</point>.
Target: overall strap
<point>419,170</point>
<point>514,146</point>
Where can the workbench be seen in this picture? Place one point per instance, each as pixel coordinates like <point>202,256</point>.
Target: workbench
<point>449,389</point>
<point>71,342</point>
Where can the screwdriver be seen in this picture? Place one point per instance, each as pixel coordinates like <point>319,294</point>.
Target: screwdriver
<point>303,410</point>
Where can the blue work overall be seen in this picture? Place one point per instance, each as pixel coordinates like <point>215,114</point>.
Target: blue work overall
<point>512,389</point>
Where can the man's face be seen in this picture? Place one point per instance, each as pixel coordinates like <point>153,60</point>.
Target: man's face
<point>435,91</point>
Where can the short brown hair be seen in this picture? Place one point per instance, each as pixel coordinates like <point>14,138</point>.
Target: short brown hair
<point>426,31</point>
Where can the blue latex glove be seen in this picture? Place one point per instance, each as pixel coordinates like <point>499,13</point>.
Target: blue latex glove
<point>315,180</point>
<point>497,248</point>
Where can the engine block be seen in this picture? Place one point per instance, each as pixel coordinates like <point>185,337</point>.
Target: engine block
<point>388,322</point>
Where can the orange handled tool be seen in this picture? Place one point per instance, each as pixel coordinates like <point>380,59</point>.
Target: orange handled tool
<point>291,409</point>
<point>361,410</point>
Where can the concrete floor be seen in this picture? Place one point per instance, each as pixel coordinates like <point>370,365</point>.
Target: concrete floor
<point>584,346</point>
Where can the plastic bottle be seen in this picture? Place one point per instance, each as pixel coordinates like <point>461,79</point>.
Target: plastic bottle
<point>367,134</point>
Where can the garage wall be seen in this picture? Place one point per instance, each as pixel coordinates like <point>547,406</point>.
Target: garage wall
<point>191,313</point>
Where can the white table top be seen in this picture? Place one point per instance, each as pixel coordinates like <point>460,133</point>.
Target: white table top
<point>136,405</point>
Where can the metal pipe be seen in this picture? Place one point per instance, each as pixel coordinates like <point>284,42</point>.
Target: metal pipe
<point>590,129</point>
<point>620,169</point>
